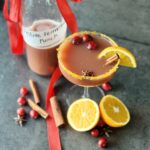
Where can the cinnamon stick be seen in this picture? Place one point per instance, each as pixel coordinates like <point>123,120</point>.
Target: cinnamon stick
<point>58,117</point>
<point>112,59</point>
<point>35,91</point>
<point>37,108</point>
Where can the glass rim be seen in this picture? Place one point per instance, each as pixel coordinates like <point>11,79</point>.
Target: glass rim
<point>81,77</point>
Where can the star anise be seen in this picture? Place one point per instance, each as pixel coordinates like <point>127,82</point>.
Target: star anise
<point>19,120</point>
<point>87,73</point>
<point>105,131</point>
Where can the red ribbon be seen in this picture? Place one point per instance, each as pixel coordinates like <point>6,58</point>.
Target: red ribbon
<point>76,1</point>
<point>53,131</point>
<point>68,15</point>
<point>14,24</point>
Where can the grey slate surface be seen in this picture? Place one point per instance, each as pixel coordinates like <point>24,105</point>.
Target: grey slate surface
<point>127,19</point>
<point>132,86</point>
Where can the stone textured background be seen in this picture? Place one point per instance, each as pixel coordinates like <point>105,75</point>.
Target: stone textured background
<point>126,19</point>
<point>128,23</point>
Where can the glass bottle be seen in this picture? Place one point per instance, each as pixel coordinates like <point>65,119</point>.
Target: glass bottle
<point>43,30</point>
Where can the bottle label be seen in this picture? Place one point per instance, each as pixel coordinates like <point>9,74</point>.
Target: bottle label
<point>46,38</point>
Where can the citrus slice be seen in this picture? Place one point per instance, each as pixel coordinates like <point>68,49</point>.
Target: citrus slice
<point>83,114</point>
<point>113,111</point>
<point>127,59</point>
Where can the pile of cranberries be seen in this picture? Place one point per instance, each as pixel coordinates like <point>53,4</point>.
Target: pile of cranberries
<point>102,131</point>
<point>86,38</point>
<point>21,112</point>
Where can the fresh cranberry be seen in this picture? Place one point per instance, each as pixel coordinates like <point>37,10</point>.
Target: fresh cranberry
<point>87,38</point>
<point>101,123</point>
<point>102,142</point>
<point>21,101</point>
<point>24,91</point>
<point>21,112</point>
<point>106,86</point>
<point>95,132</point>
<point>92,45</point>
<point>34,114</point>
<point>76,40</point>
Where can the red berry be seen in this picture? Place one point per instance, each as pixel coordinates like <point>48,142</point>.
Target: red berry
<point>102,142</point>
<point>21,101</point>
<point>95,132</point>
<point>23,91</point>
<point>101,123</point>
<point>21,112</point>
<point>76,40</point>
<point>106,86</point>
<point>87,38</point>
<point>34,114</point>
<point>91,45</point>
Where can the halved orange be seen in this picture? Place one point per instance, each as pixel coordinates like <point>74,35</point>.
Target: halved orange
<point>113,111</point>
<point>83,114</point>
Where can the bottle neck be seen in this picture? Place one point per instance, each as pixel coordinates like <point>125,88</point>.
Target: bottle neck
<point>39,10</point>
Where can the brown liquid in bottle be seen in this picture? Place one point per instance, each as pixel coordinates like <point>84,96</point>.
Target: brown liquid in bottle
<point>42,61</point>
